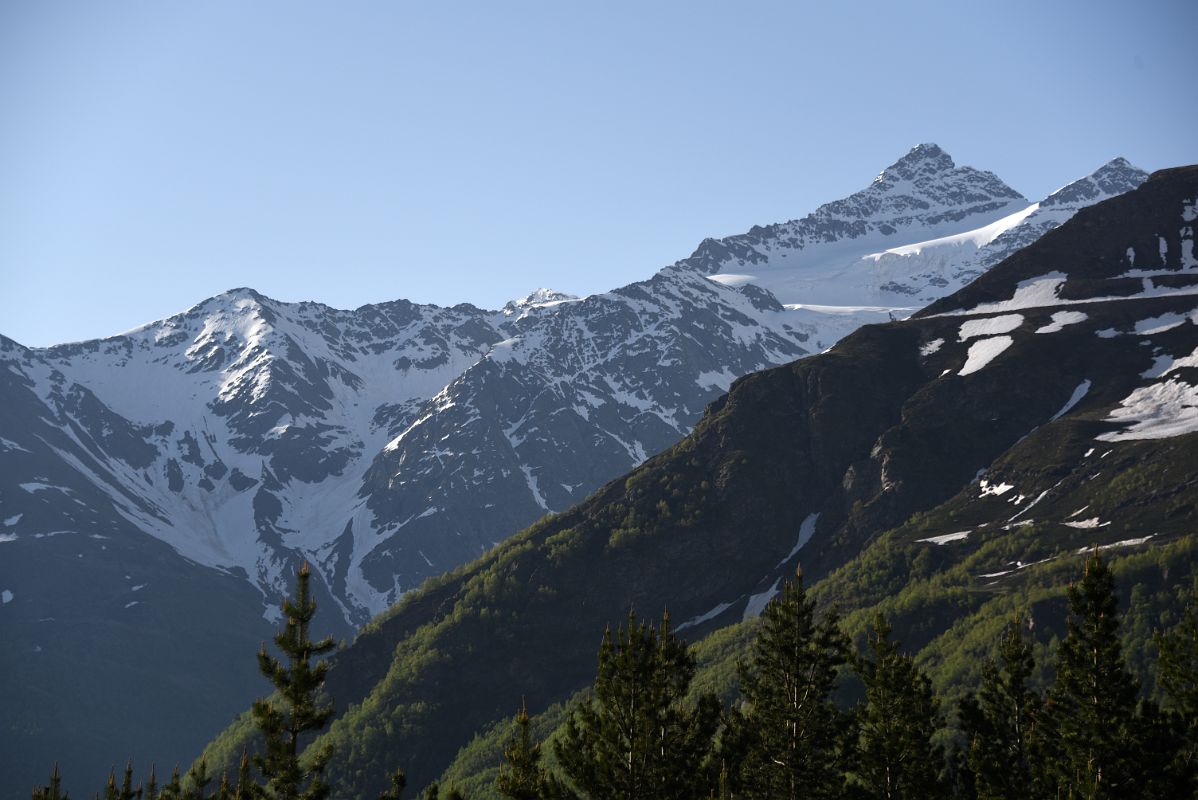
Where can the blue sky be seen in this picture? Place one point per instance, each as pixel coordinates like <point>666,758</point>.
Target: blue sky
<point>153,154</point>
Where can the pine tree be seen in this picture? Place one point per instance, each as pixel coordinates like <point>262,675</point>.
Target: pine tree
<point>1088,743</point>
<point>634,740</point>
<point>197,781</point>
<point>52,791</point>
<point>521,776</point>
<point>399,782</point>
<point>299,714</point>
<point>246,788</point>
<point>795,734</point>
<point>998,721</point>
<point>126,790</point>
<point>896,759</point>
<point>151,792</point>
<point>1178,678</point>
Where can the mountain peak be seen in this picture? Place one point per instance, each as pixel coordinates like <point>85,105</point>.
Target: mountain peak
<point>921,159</point>
<point>1114,177</point>
<point>539,297</point>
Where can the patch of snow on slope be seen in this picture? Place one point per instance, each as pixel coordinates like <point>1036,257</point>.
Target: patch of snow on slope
<point>6,597</point>
<point>979,237</point>
<point>805,531</point>
<point>1085,524</point>
<point>758,602</point>
<point>716,380</point>
<point>945,538</point>
<point>1074,399</point>
<point>996,489</point>
<point>1122,543</point>
<point>1158,411</point>
<point>1165,322</point>
<point>13,520</point>
<point>699,620</point>
<point>984,351</point>
<point>990,326</point>
<point>1062,318</point>
<point>7,537</point>
<point>1044,292</point>
<point>928,348</point>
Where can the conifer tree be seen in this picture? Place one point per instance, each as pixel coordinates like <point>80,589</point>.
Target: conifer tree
<point>1088,742</point>
<point>246,788</point>
<point>197,781</point>
<point>634,740</point>
<point>895,758</point>
<point>52,791</point>
<point>521,776</point>
<point>126,790</point>
<point>399,782</point>
<point>794,733</point>
<point>299,712</point>
<point>174,789</point>
<point>151,792</point>
<point>1178,678</point>
<point>998,720</point>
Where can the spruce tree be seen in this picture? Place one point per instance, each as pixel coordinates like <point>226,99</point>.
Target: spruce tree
<point>1088,743</point>
<point>246,788</point>
<point>151,792</point>
<point>634,740</point>
<point>52,791</point>
<point>1177,674</point>
<point>284,724</point>
<point>399,782</point>
<point>794,733</point>
<point>521,776</point>
<point>998,721</point>
<point>896,758</point>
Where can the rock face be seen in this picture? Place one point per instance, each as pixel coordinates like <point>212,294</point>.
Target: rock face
<point>204,455</point>
<point>1049,406</point>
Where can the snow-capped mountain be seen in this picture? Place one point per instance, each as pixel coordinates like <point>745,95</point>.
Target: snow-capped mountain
<point>203,455</point>
<point>924,228</point>
<point>396,441</point>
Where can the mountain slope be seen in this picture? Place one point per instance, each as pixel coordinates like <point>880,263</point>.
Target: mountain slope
<point>1068,370</point>
<point>384,445</point>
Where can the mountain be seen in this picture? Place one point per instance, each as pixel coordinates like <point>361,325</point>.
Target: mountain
<point>944,469</point>
<point>205,454</point>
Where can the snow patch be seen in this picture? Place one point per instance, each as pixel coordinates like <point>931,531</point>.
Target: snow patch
<point>928,348</point>
<point>983,351</point>
<point>806,529</point>
<point>1159,411</point>
<point>996,489</point>
<point>1087,524</point>
<point>945,538</point>
<point>990,326</point>
<point>699,620</point>
<point>1165,322</point>
<point>6,597</point>
<point>1073,400</point>
<point>758,602</point>
<point>716,380</point>
<point>1121,543</point>
<point>13,520</point>
<point>1062,318</point>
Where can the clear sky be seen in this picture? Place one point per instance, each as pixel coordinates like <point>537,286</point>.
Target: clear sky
<point>154,153</point>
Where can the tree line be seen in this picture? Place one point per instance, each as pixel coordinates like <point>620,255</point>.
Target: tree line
<point>1089,735</point>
